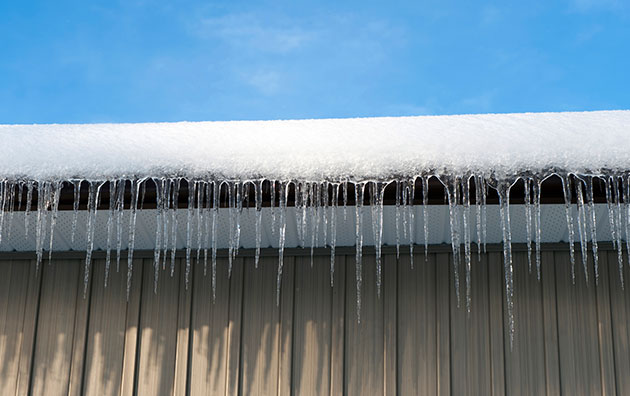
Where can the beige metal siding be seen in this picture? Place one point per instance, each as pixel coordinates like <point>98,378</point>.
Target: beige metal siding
<point>415,339</point>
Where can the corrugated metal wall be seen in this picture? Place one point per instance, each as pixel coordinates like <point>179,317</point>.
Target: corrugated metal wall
<point>570,339</point>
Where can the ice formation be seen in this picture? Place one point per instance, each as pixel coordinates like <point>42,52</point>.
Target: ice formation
<point>317,166</point>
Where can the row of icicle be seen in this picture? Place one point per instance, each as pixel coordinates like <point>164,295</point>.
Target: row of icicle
<point>316,206</point>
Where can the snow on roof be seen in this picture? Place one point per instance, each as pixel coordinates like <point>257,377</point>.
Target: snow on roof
<point>333,149</point>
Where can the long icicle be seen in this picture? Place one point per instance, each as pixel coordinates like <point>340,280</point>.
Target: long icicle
<point>93,202</point>
<point>503,188</point>
<point>358,196</point>
<point>528,221</point>
<point>284,192</point>
<point>135,191</point>
<point>425,216</point>
<point>333,232</point>
<point>536,189</point>
<point>593,225</point>
<point>582,227</point>
<point>452,188</point>
<point>465,183</point>
<point>566,186</point>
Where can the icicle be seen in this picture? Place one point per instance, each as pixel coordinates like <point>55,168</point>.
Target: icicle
<point>503,188</point>
<point>452,190</point>
<point>566,185</point>
<point>305,210</point>
<point>174,224</point>
<point>75,208</point>
<point>626,202</point>
<point>216,196</point>
<point>20,195</point>
<point>4,198</point>
<point>617,202</point>
<point>135,190</point>
<point>43,200</point>
<point>258,187</point>
<point>29,203</point>
<point>160,186</point>
<point>144,190</point>
<point>333,231</point>
<point>425,215</point>
<point>238,209</point>
<point>200,191</point>
<point>345,201</point>
<point>324,191</point>
<point>591,209</point>
<point>484,211</point>
<point>528,221</point>
<point>166,207</point>
<point>465,183</point>
<point>313,214</point>
<point>611,215</point>
<point>358,196</point>
<point>110,226</point>
<point>376,202</point>
<point>299,214</point>
<point>284,192</point>
<point>120,207</point>
<point>397,219</point>
<point>93,202</point>
<point>412,219</point>
<point>536,189</point>
<point>231,231</point>
<point>56,195</point>
<point>582,227</point>
<point>11,202</point>
<point>208,210</point>
<point>273,206</point>
<point>478,186</point>
<point>192,186</point>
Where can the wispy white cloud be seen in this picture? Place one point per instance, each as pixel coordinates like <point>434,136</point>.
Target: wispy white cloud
<point>252,32</point>
<point>268,82</point>
<point>589,5</point>
<point>265,49</point>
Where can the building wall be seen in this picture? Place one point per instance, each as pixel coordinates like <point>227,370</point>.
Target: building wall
<point>413,339</point>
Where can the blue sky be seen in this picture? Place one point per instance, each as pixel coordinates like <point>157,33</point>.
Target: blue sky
<point>142,60</point>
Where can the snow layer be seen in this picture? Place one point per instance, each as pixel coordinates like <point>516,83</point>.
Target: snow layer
<point>333,149</point>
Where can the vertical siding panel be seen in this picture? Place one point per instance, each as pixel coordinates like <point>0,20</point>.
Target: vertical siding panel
<point>210,326</point>
<point>417,325</point>
<point>604,327</point>
<point>80,333</point>
<point>525,369</point>
<point>235,319</point>
<point>183,328</point>
<point>496,298</point>
<point>106,332</point>
<point>338,321</point>
<point>62,288</point>
<point>312,327</point>
<point>158,331</point>
<point>260,328</point>
<point>620,309</point>
<point>470,333</point>
<point>550,324</point>
<point>364,359</point>
<point>287,301</point>
<point>132,320</point>
<point>577,326</point>
<point>19,292</point>
<point>443,268</point>
<point>389,295</point>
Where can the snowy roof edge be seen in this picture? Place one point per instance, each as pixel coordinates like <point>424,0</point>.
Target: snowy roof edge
<point>322,149</point>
